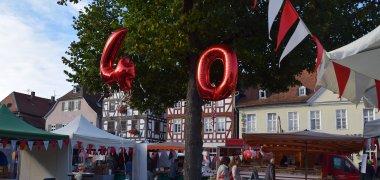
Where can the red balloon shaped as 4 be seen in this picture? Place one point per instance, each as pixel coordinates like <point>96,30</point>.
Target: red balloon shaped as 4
<point>124,72</point>
<point>247,154</point>
<point>228,83</point>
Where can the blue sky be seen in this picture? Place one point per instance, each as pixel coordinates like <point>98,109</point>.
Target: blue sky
<point>34,35</point>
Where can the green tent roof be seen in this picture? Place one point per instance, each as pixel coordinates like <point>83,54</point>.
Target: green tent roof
<point>13,127</point>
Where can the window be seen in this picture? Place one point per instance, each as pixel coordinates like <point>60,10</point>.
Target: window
<point>302,91</point>
<point>156,127</point>
<point>177,105</point>
<point>208,103</point>
<point>123,126</point>
<point>250,123</point>
<point>112,106</point>
<point>111,126</point>
<point>262,94</point>
<point>315,120</point>
<point>134,124</point>
<point>220,124</point>
<point>177,125</point>
<point>53,127</point>
<point>129,111</point>
<point>65,106</point>
<point>293,121</point>
<point>348,167</point>
<point>208,125</point>
<point>71,105</point>
<point>220,103</point>
<point>368,115</point>
<point>272,122</point>
<point>341,119</point>
<point>337,163</point>
<point>76,105</point>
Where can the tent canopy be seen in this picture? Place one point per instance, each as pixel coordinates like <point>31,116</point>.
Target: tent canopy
<point>372,129</point>
<point>13,127</point>
<point>80,129</point>
<point>355,69</point>
<point>297,141</point>
<point>167,146</point>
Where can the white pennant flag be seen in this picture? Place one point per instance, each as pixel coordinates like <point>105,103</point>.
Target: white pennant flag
<point>231,158</point>
<point>167,153</point>
<point>211,158</point>
<point>299,34</point>
<point>362,82</point>
<point>241,157</point>
<point>273,9</point>
<point>60,143</point>
<point>46,144</point>
<point>126,150</point>
<point>159,154</point>
<point>96,147</point>
<point>13,143</point>
<point>176,152</point>
<point>151,154</point>
<point>30,145</point>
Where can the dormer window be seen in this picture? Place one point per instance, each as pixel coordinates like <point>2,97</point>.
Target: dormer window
<point>302,91</point>
<point>262,94</point>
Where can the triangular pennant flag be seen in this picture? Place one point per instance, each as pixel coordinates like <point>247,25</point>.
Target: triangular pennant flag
<point>159,154</point>
<point>53,143</point>
<point>167,153</point>
<point>4,142</point>
<point>211,158</point>
<point>60,142</point>
<point>176,152</point>
<point>231,158</point>
<point>254,4</point>
<point>96,147</point>
<point>342,74</point>
<point>361,84</point>
<point>319,52</point>
<point>162,153</point>
<point>216,158</point>
<point>38,144</point>
<point>273,9</point>
<point>288,18</point>
<point>46,144</point>
<point>13,143</point>
<point>299,35</point>
<point>30,145</point>
<point>377,82</point>
<point>22,144</point>
<point>66,142</point>
<point>241,157</point>
<point>151,154</point>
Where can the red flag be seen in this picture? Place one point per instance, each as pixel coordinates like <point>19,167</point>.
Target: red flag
<point>38,144</point>
<point>378,93</point>
<point>342,74</point>
<point>4,142</point>
<point>288,18</point>
<point>23,143</point>
<point>254,4</point>
<point>66,141</point>
<point>319,52</point>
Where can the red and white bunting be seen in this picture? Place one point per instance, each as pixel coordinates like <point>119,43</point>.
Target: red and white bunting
<point>273,9</point>
<point>151,154</point>
<point>342,74</point>
<point>38,144</point>
<point>22,143</point>
<point>241,157</point>
<point>211,158</point>
<point>320,51</point>
<point>60,142</point>
<point>167,153</point>
<point>13,143</point>
<point>46,144</point>
<point>297,37</point>
<point>288,18</point>
<point>53,143</point>
<point>362,82</point>
<point>159,154</point>
<point>4,142</point>
<point>30,145</point>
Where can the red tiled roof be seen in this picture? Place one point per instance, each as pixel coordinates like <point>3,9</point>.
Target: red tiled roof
<point>291,96</point>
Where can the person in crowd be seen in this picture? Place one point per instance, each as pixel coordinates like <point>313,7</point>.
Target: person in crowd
<point>234,166</point>
<point>223,170</point>
<point>150,168</point>
<point>270,173</point>
<point>284,161</point>
<point>370,171</point>
<point>173,170</point>
<point>128,167</point>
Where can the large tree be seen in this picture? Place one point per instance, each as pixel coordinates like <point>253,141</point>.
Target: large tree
<point>166,37</point>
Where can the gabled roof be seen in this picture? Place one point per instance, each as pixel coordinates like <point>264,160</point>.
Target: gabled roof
<point>92,99</point>
<point>290,97</point>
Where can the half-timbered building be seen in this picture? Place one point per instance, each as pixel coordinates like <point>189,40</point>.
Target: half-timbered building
<point>217,119</point>
<point>121,120</point>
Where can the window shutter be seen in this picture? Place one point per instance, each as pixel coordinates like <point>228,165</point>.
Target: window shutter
<point>79,105</point>
<point>49,127</point>
<point>63,107</point>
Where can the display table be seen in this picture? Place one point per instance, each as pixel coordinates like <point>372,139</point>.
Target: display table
<point>85,175</point>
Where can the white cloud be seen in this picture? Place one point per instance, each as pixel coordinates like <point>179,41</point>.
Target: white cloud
<point>34,36</point>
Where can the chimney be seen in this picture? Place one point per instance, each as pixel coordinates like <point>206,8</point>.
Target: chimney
<point>52,99</point>
<point>32,94</point>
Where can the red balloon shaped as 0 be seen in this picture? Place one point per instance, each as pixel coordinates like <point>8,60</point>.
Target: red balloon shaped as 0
<point>124,72</point>
<point>247,154</point>
<point>228,83</point>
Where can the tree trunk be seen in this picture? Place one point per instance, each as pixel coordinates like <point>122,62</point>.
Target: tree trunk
<point>193,128</point>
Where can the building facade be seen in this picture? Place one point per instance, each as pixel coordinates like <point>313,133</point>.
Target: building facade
<point>30,108</point>
<point>76,102</point>
<point>217,119</point>
<point>121,120</point>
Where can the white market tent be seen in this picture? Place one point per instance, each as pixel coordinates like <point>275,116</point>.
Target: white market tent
<point>353,70</point>
<point>80,129</point>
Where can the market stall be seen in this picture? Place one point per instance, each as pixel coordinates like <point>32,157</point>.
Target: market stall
<point>30,153</point>
<point>303,143</point>
<point>98,152</point>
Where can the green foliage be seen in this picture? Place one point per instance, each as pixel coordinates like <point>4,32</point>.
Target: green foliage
<point>161,37</point>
